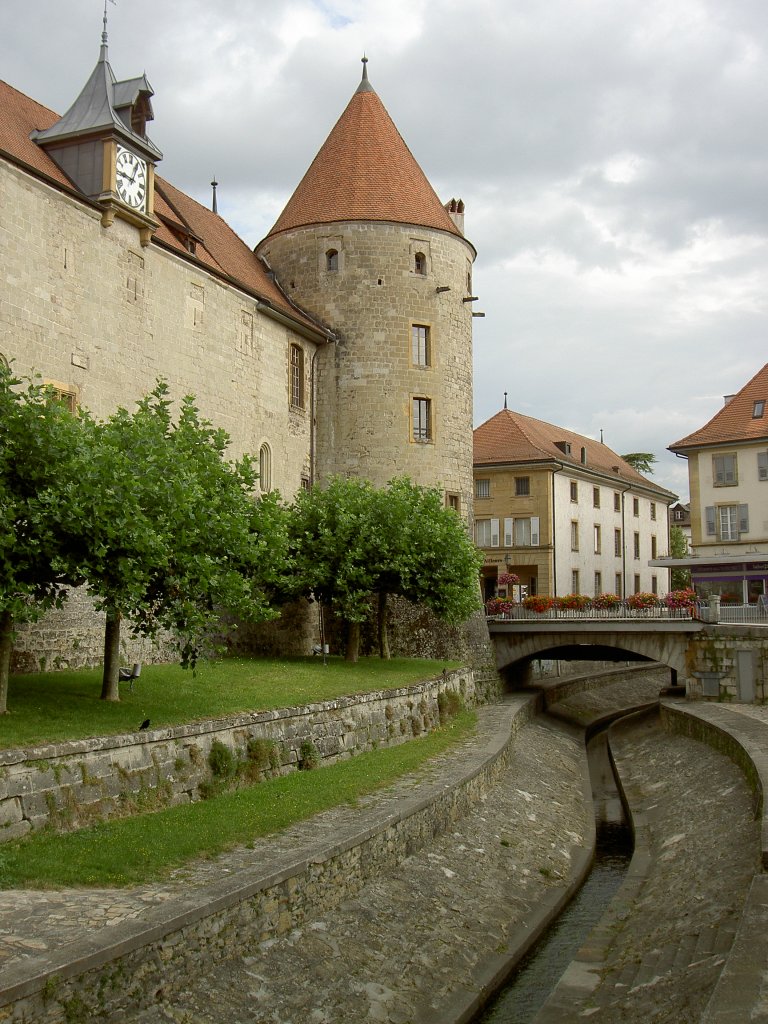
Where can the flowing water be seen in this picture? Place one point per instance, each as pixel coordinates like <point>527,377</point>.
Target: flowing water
<point>540,970</point>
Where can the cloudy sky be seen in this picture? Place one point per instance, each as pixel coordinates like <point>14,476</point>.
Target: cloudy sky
<point>612,156</point>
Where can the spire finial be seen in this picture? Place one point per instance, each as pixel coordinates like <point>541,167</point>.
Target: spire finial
<point>214,186</point>
<point>104,31</point>
<point>505,399</point>
<point>364,61</point>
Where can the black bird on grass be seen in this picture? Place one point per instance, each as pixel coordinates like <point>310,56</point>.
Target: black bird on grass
<point>144,724</point>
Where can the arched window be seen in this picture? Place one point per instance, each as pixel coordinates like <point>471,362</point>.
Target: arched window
<point>332,259</point>
<point>297,376</point>
<point>265,468</point>
<point>420,263</point>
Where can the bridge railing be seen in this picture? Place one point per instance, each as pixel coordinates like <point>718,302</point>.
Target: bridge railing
<point>701,611</point>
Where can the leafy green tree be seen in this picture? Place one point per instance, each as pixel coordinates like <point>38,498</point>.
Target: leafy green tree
<point>423,553</point>
<point>40,448</point>
<point>353,543</point>
<point>643,462</point>
<point>165,531</point>
<point>680,578</point>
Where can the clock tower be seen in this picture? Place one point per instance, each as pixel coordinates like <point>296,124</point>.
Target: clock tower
<point>102,145</point>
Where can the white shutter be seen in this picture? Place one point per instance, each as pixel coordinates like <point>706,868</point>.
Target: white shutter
<point>494,533</point>
<point>762,465</point>
<point>743,518</point>
<point>534,531</point>
<point>508,542</point>
<point>710,512</point>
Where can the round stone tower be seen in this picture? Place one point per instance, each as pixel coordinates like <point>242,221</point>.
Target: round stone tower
<point>367,248</point>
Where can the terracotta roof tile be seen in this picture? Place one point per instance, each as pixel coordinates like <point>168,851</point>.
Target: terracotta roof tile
<point>735,421</point>
<point>219,248</point>
<point>364,171</point>
<point>510,437</point>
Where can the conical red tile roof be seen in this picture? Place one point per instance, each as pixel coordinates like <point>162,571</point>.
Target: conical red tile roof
<point>736,421</point>
<point>364,171</point>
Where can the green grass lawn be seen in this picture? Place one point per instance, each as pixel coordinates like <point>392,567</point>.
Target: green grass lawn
<point>130,851</point>
<point>53,706</point>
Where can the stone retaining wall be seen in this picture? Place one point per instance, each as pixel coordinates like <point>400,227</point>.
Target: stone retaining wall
<point>67,785</point>
<point>158,954</point>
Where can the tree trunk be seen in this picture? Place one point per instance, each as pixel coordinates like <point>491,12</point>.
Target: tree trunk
<point>110,684</point>
<point>6,646</point>
<point>353,641</point>
<point>383,632</point>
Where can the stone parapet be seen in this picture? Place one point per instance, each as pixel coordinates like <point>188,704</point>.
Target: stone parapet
<point>66,785</point>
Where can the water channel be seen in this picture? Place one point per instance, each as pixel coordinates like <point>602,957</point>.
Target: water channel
<point>540,970</point>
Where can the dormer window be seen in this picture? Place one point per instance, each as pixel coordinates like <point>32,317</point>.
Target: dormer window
<point>758,409</point>
<point>332,260</point>
<point>420,264</point>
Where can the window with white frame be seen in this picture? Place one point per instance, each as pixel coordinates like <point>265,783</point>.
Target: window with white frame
<point>597,538</point>
<point>762,465</point>
<point>574,581</point>
<point>725,470</point>
<point>727,522</point>
<point>487,533</point>
<point>758,409</point>
<point>521,532</point>
<point>297,376</point>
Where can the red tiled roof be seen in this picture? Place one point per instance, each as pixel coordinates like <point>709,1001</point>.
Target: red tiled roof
<point>218,248</point>
<point>364,171</point>
<point>735,421</point>
<point>510,437</point>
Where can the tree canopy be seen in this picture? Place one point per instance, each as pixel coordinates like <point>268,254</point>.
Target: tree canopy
<point>643,462</point>
<point>353,542</point>
<point>39,461</point>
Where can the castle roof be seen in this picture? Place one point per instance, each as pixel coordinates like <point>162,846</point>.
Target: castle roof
<point>509,438</point>
<point>364,171</point>
<point>185,224</point>
<point>742,418</point>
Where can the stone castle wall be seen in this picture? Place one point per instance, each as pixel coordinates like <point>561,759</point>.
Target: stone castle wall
<point>367,380</point>
<point>66,785</point>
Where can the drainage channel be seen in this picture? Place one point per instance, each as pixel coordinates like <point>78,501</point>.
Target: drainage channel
<point>540,970</point>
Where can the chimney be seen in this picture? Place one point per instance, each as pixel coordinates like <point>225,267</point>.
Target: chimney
<point>727,399</point>
<point>455,208</point>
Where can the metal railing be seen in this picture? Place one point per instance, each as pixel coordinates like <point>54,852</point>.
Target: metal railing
<point>701,611</point>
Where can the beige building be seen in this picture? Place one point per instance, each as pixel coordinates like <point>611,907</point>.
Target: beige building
<point>342,344</point>
<point>728,476</point>
<point>564,513</point>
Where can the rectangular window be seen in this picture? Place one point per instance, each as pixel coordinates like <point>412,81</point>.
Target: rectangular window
<point>574,535</point>
<point>635,506</point>
<point>453,501</point>
<point>653,547</point>
<point>297,376</point>
<point>637,584</point>
<point>725,470</point>
<point>617,585</point>
<point>522,486</point>
<point>637,545</point>
<point>422,419</point>
<point>574,581</point>
<point>62,394</point>
<point>595,497</point>
<point>482,488</point>
<point>727,522</point>
<point>598,583</point>
<point>653,510</point>
<point>421,349</point>
<point>574,491</point>
<point>597,539</point>
<point>526,531</point>
<point>762,465</point>
<point>487,533</point>
<point>616,501</point>
<point>654,585</point>
<point>617,543</point>
<point>758,409</point>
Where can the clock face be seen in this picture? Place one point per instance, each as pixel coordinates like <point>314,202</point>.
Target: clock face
<point>131,178</point>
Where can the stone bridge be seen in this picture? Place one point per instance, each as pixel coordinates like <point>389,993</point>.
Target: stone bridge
<point>721,662</point>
